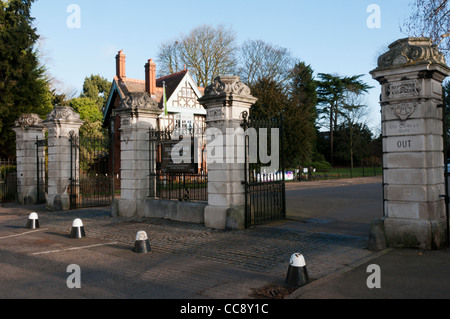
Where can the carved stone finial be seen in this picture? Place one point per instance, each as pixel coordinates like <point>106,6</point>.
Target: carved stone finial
<point>26,120</point>
<point>63,113</point>
<point>227,85</point>
<point>411,51</point>
<point>139,100</point>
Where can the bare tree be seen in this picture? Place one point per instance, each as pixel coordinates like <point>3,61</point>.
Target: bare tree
<point>206,51</point>
<point>430,18</point>
<point>169,58</point>
<point>354,111</point>
<point>261,60</point>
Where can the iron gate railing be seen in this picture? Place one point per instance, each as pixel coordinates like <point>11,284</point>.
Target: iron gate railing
<point>91,178</point>
<point>445,135</point>
<point>41,169</point>
<point>265,198</point>
<point>8,181</point>
<point>185,182</point>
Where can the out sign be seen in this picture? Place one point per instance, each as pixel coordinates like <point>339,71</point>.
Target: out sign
<point>404,144</point>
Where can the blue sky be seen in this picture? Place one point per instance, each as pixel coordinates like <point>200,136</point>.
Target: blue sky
<point>331,36</point>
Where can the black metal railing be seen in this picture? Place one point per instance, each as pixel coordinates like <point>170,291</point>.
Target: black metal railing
<point>91,180</point>
<point>265,199</point>
<point>183,182</point>
<point>180,186</point>
<point>8,181</point>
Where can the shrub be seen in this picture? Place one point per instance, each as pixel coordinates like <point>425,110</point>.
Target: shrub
<point>321,166</point>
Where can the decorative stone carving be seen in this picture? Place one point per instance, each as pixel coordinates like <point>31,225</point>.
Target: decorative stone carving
<point>403,110</point>
<point>28,120</point>
<point>216,113</point>
<point>125,122</point>
<point>126,135</point>
<point>52,132</point>
<point>227,85</point>
<point>139,100</point>
<point>63,113</point>
<point>403,89</point>
<point>411,50</point>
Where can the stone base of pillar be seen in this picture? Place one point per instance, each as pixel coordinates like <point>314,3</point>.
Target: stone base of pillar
<point>125,208</point>
<point>222,217</point>
<point>191,212</point>
<point>27,195</point>
<point>235,218</point>
<point>411,233</point>
<point>216,217</point>
<point>58,202</point>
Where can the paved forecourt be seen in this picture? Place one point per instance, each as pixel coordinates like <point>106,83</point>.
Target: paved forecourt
<point>187,260</point>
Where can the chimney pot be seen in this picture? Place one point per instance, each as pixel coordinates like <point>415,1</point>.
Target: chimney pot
<point>120,64</point>
<point>150,77</point>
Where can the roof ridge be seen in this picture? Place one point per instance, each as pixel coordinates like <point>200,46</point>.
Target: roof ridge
<point>172,75</point>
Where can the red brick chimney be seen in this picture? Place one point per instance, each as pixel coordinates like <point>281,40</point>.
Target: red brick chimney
<point>150,77</point>
<point>120,64</point>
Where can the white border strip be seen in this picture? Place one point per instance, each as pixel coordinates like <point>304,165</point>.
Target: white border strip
<point>70,249</point>
<point>26,233</point>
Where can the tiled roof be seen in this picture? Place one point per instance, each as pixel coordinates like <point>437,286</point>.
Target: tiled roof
<point>172,81</point>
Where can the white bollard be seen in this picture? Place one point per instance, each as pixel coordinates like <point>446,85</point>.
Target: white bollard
<point>297,273</point>
<point>142,245</point>
<point>33,221</point>
<point>77,229</point>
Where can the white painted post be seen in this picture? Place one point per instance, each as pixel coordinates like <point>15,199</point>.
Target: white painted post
<point>411,75</point>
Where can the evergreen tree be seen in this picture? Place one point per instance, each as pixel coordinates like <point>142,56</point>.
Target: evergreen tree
<point>298,108</point>
<point>90,104</point>
<point>302,114</point>
<point>96,88</point>
<point>24,87</point>
<point>331,92</point>
<point>359,149</point>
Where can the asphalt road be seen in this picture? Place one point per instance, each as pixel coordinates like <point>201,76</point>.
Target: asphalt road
<point>343,207</point>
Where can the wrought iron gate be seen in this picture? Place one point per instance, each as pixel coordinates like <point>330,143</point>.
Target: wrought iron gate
<point>265,198</point>
<point>446,137</point>
<point>41,169</point>
<point>8,181</point>
<point>91,177</point>
<point>182,182</point>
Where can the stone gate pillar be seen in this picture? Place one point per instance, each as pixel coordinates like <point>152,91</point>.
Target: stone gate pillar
<point>138,113</point>
<point>62,124</point>
<point>29,129</point>
<point>225,101</point>
<point>411,75</point>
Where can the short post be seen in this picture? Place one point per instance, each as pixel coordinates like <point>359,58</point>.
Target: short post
<point>33,221</point>
<point>297,274</point>
<point>225,101</point>
<point>28,129</point>
<point>141,244</point>
<point>77,230</point>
